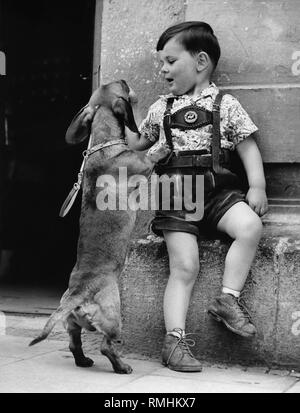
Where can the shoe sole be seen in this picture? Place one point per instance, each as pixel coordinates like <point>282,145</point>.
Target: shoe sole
<point>216,317</point>
<point>183,370</point>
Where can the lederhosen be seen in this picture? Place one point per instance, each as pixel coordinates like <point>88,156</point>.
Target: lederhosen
<point>214,166</point>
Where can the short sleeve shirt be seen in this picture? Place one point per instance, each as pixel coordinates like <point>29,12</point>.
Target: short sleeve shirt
<point>235,123</point>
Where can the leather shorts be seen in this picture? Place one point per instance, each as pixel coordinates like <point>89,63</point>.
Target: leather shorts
<point>221,192</point>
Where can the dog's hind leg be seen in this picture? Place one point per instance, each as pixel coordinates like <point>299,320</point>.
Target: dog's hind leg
<point>108,350</point>
<point>75,344</point>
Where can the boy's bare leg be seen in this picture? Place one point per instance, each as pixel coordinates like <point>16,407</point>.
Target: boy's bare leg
<point>242,224</point>
<point>184,268</point>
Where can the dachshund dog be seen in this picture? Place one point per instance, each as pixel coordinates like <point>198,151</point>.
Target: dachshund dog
<point>92,300</point>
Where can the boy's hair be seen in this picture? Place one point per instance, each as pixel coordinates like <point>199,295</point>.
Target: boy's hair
<point>195,36</point>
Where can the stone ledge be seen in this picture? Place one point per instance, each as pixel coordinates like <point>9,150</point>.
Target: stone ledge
<point>271,294</point>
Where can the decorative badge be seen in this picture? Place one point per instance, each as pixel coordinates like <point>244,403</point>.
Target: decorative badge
<point>191,116</point>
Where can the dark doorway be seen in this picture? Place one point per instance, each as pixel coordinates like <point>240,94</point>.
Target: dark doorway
<point>49,52</point>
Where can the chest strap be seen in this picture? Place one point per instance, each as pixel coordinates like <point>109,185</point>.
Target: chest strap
<point>216,135</point>
<point>167,122</point>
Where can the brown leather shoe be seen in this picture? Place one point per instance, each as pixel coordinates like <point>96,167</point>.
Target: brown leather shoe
<point>230,311</point>
<point>176,354</point>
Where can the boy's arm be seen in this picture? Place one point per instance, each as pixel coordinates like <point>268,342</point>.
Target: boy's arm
<point>136,141</point>
<point>252,161</point>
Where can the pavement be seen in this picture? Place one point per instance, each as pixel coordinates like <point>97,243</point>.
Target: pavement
<point>49,368</point>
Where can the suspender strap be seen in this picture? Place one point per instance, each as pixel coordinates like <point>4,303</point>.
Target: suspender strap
<point>216,138</point>
<point>167,123</point>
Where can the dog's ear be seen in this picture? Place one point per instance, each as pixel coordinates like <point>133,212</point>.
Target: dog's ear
<point>122,109</point>
<point>78,131</point>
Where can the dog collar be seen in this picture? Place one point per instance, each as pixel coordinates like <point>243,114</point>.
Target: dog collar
<point>101,146</point>
<point>74,191</point>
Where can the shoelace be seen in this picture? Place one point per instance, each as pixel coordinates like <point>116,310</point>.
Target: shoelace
<point>244,309</point>
<point>183,342</point>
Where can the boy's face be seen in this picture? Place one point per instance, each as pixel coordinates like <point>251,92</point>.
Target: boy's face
<point>179,68</point>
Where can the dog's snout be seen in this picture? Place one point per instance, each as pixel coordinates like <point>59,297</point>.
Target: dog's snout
<point>132,96</point>
<point>125,85</point>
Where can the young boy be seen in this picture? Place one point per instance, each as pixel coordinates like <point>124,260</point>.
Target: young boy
<point>189,53</point>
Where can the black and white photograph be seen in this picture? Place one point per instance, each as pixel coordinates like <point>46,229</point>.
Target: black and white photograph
<point>150,199</point>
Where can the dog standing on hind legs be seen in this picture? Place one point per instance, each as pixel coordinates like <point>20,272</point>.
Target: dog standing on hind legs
<point>92,300</point>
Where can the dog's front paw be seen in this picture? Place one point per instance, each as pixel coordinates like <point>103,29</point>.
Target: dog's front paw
<point>160,154</point>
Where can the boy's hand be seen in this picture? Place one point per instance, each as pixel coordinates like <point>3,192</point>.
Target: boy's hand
<point>257,200</point>
<point>88,114</point>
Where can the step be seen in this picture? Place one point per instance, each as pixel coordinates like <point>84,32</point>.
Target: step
<point>271,293</point>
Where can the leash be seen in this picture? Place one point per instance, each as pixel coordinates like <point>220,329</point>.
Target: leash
<point>69,201</point>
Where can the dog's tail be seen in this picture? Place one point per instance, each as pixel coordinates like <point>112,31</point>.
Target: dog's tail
<point>65,308</point>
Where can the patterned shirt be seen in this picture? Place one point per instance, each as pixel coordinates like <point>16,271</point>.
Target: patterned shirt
<point>235,123</point>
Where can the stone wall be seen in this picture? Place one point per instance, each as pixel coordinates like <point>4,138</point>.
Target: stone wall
<point>260,65</point>
<point>260,62</point>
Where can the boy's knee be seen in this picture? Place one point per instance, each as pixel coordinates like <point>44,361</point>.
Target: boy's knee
<point>185,269</point>
<point>251,228</point>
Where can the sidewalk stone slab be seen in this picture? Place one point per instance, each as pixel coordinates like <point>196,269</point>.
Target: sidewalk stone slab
<point>295,388</point>
<point>29,325</point>
<point>25,322</point>
<point>49,368</point>
<point>21,350</point>
<point>154,384</point>
<point>237,377</point>
<point>55,373</point>
<point>7,360</point>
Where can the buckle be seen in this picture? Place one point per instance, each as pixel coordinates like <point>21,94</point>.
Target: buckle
<point>196,160</point>
<point>200,160</point>
<point>167,117</point>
